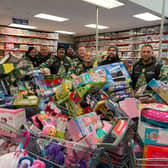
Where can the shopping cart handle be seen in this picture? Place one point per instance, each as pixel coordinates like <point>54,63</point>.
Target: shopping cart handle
<point>114,137</point>
<point>95,157</point>
<point>115,108</point>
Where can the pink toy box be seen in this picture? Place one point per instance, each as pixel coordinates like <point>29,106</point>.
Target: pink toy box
<point>13,117</point>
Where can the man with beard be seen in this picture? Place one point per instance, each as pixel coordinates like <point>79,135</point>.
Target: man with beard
<point>146,68</point>
<point>111,57</point>
<point>58,64</point>
<point>70,53</point>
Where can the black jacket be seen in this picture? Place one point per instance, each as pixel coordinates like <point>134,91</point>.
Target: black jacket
<point>33,60</point>
<point>151,70</point>
<point>110,60</point>
<point>42,59</point>
<point>56,65</point>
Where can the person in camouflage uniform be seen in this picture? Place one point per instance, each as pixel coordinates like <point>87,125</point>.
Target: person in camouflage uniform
<point>111,57</point>
<point>25,65</point>
<point>164,74</point>
<point>79,67</point>
<point>71,55</point>
<point>43,55</point>
<point>146,68</point>
<point>87,63</point>
<point>59,64</point>
<point>30,59</point>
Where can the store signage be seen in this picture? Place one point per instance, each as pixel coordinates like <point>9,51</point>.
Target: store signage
<point>20,21</point>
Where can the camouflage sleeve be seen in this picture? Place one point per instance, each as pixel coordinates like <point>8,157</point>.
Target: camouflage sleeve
<point>48,63</point>
<point>164,73</point>
<point>79,69</point>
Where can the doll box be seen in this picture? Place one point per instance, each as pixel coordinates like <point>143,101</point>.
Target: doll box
<point>153,135</point>
<point>13,117</point>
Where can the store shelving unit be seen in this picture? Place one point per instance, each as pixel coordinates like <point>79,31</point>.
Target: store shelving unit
<point>18,40</point>
<point>129,42</point>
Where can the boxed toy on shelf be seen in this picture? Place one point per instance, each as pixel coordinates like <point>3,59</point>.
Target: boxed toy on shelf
<point>2,46</point>
<point>2,38</point>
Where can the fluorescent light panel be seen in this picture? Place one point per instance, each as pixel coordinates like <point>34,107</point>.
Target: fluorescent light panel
<point>50,17</point>
<point>94,26</point>
<point>64,32</point>
<point>21,26</point>
<point>147,16</point>
<point>105,3</point>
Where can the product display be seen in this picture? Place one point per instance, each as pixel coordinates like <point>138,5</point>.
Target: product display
<point>80,100</point>
<point>18,40</point>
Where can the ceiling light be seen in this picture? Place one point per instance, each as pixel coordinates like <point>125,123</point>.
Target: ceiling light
<point>147,16</point>
<point>50,17</point>
<point>94,26</point>
<point>21,26</point>
<point>105,3</point>
<point>64,32</point>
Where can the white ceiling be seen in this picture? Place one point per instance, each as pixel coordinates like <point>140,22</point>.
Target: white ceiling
<point>80,13</point>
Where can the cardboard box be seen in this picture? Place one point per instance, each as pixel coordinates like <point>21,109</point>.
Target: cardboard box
<point>152,153</point>
<point>116,73</point>
<point>160,88</point>
<point>153,135</point>
<point>13,117</point>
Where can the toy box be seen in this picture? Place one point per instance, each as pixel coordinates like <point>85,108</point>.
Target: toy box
<point>152,135</point>
<point>6,68</point>
<point>160,88</point>
<point>83,125</point>
<point>89,78</point>
<point>129,106</point>
<point>153,152</point>
<point>115,73</point>
<point>13,117</point>
<point>29,101</point>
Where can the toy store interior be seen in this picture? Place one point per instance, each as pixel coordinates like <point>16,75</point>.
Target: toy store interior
<point>84,84</point>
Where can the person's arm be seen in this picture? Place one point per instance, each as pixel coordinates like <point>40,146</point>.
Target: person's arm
<point>164,73</point>
<point>24,64</point>
<point>132,77</point>
<point>48,63</point>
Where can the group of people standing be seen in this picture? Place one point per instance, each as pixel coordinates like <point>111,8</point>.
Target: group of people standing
<point>67,62</point>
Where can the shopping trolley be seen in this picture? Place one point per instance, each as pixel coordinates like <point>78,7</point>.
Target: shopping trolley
<point>138,161</point>
<point>112,151</point>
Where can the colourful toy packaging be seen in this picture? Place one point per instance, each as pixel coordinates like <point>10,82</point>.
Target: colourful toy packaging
<point>12,117</point>
<point>155,151</point>
<point>6,68</point>
<point>52,108</point>
<point>155,114</point>
<point>86,141</point>
<point>88,78</point>
<point>129,106</point>
<point>115,73</point>
<point>160,88</point>
<point>53,82</point>
<point>152,135</point>
<point>118,87</point>
<point>39,81</point>
<point>83,125</point>
<point>27,101</point>
<point>61,125</point>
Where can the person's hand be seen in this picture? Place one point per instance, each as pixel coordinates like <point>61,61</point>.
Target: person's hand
<point>45,71</point>
<point>105,57</point>
<point>20,66</point>
<point>73,76</point>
